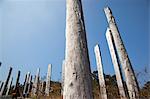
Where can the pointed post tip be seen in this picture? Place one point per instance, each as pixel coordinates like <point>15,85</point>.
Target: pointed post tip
<point>96,46</point>
<point>107,9</point>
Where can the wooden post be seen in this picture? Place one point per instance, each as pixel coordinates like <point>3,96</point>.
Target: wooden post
<point>17,81</point>
<point>77,84</point>
<point>131,81</point>
<point>116,64</point>
<point>9,86</point>
<point>42,87</point>
<point>63,77</point>
<point>48,80</point>
<point>1,86</point>
<point>25,80</point>
<point>29,84</point>
<point>6,83</point>
<point>26,84</point>
<point>36,82</point>
<point>100,72</point>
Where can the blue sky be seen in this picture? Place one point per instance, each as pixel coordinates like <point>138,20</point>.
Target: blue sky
<point>32,34</point>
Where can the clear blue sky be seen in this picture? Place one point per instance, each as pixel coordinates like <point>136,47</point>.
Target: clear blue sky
<point>32,34</point>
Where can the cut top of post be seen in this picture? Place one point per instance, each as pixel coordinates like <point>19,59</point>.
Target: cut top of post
<point>109,15</point>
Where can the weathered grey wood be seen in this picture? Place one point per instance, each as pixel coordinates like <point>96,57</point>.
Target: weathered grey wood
<point>42,88</point>
<point>29,84</point>
<point>48,80</point>
<point>2,83</point>
<point>77,83</point>
<point>131,81</point>
<point>9,86</point>
<point>25,80</point>
<point>36,82</point>
<point>63,76</point>
<point>116,64</point>
<point>6,83</point>
<point>33,85</point>
<point>100,72</point>
<point>17,81</point>
<point>26,84</point>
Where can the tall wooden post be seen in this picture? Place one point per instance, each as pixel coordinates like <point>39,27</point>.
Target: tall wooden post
<point>77,83</point>
<point>131,81</point>
<point>36,82</point>
<point>6,83</point>
<point>25,80</point>
<point>26,84</point>
<point>42,88</point>
<point>29,86</point>
<point>9,86</point>
<point>48,80</point>
<point>116,64</point>
<point>63,76</point>
<point>1,86</point>
<point>17,81</point>
<point>100,72</point>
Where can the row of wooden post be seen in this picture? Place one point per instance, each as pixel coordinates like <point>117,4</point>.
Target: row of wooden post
<point>76,80</point>
<point>119,58</point>
<point>28,86</point>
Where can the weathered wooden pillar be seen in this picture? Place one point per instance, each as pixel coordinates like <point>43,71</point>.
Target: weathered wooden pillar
<point>63,77</point>
<point>9,86</point>
<point>36,82</point>
<point>26,84</point>
<point>100,72</point>
<point>42,88</point>
<point>116,64</point>
<point>131,80</point>
<point>2,83</point>
<point>48,80</point>
<point>77,83</point>
<point>17,81</point>
<point>33,85</point>
<point>29,84</point>
<point>25,80</point>
<point>6,83</point>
